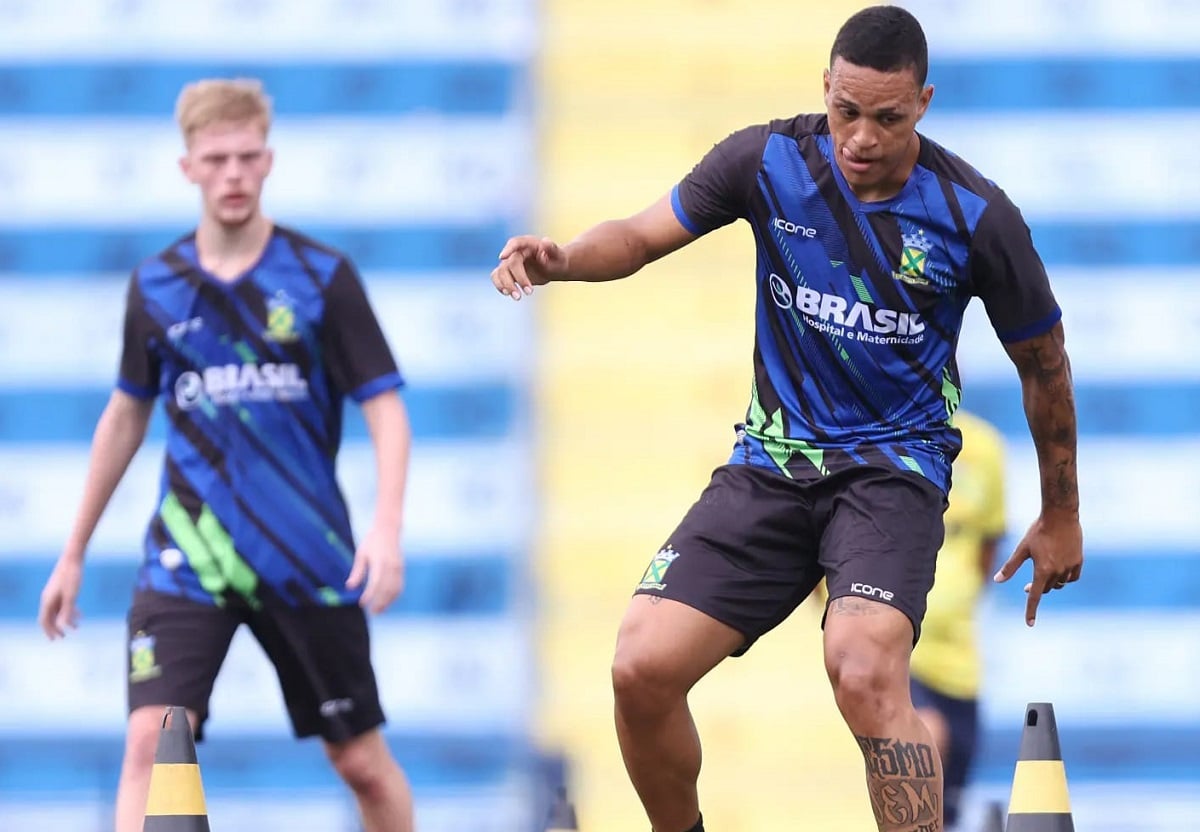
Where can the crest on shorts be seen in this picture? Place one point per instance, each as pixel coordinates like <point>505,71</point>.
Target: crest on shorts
<point>281,319</point>
<point>913,258</point>
<point>655,575</point>
<point>142,664</point>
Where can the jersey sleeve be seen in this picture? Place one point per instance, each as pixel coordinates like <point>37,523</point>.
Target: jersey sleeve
<point>1008,275</point>
<point>717,191</point>
<point>357,355</point>
<point>141,363</point>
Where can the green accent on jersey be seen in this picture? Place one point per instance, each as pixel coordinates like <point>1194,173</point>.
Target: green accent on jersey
<point>814,455</point>
<point>768,430</point>
<point>209,550</point>
<point>187,536</point>
<point>911,464</point>
<point>329,596</point>
<point>244,351</point>
<point>861,289</point>
<point>241,577</point>
<point>952,394</point>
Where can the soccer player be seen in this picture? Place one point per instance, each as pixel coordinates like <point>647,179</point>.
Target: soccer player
<point>252,335</point>
<point>871,240</point>
<point>946,666</point>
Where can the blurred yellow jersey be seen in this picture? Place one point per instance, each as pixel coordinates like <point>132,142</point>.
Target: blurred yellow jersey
<point>947,656</point>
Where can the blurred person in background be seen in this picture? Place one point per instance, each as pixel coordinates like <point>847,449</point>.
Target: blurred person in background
<point>871,240</point>
<point>253,335</point>
<point>946,666</point>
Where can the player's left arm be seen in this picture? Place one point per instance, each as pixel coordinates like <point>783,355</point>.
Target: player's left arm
<point>1055,542</point>
<point>380,557</point>
<point>361,365</point>
<point>1009,276</point>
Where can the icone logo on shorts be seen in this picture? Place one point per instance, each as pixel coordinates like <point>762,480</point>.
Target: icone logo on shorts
<point>867,589</point>
<point>233,383</point>
<point>835,310</point>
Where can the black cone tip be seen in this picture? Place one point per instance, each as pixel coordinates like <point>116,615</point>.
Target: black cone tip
<point>175,743</point>
<point>1039,740</point>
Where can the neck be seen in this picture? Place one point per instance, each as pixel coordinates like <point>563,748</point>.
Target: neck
<point>895,181</point>
<point>227,251</point>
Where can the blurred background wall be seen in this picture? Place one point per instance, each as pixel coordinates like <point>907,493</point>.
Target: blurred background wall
<point>560,440</point>
<point>405,136</point>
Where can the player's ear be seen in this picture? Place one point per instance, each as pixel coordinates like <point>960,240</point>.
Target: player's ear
<point>270,158</point>
<point>826,84</point>
<point>923,101</point>
<point>185,165</point>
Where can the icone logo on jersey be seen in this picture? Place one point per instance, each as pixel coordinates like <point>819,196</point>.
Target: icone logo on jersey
<point>834,310</point>
<point>233,383</point>
<point>794,228</point>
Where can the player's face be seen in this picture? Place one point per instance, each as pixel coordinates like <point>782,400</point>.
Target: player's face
<point>229,162</point>
<point>873,118</point>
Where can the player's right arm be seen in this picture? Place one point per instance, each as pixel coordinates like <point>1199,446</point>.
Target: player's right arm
<point>608,251</point>
<point>119,434</point>
<point>715,193</point>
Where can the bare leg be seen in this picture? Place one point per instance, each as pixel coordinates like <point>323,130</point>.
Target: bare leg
<point>380,787</point>
<point>141,743</point>
<point>867,647</point>
<point>663,649</point>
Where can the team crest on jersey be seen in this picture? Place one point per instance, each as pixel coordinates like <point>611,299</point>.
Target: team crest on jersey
<point>143,665</point>
<point>281,319</point>
<point>913,259</point>
<point>656,573</point>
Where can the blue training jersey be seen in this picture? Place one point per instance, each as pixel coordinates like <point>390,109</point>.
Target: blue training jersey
<point>252,374</point>
<point>859,305</point>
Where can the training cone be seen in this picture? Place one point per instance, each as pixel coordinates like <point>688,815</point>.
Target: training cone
<point>993,818</point>
<point>176,800</point>
<point>1039,801</point>
<point>562,814</point>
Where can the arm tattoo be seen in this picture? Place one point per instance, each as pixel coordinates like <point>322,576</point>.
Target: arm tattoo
<point>902,779</point>
<point>1049,399</point>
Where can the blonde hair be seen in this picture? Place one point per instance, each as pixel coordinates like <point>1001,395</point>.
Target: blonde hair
<point>212,100</point>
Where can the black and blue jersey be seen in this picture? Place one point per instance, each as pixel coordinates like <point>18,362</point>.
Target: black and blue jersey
<point>860,305</point>
<point>253,374</point>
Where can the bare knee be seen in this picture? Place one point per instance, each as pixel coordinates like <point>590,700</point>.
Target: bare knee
<point>664,648</point>
<point>644,685</point>
<point>869,672</point>
<point>363,763</point>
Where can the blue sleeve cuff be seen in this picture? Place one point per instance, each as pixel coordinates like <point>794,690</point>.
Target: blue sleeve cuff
<point>390,381</point>
<point>681,215</point>
<point>1031,330</point>
<point>136,390</point>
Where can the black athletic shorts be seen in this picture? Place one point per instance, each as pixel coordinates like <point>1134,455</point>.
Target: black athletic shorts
<point>322,656</point>
<point>757,543</point>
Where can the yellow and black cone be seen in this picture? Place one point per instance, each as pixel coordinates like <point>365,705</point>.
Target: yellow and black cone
<point>562,814</point>
<point>176,800</point>
<point>1039,801</point>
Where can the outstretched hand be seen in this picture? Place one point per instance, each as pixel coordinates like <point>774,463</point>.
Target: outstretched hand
<point>1056,548</point>
<point>526,262</point>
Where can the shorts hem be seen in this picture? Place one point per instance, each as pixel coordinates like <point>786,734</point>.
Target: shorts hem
<point>909,614</point>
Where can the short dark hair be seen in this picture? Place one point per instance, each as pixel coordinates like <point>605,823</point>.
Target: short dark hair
<point>886,38</point>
